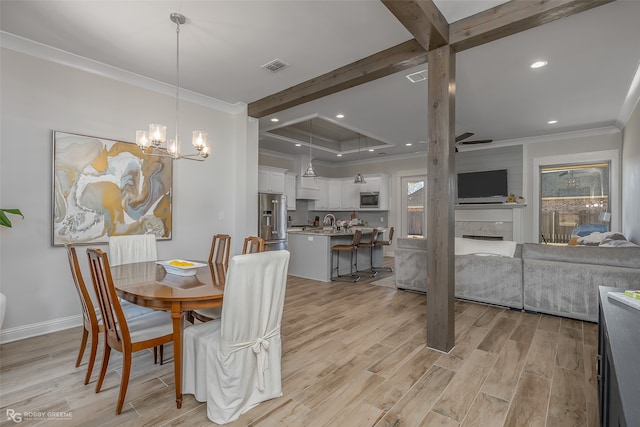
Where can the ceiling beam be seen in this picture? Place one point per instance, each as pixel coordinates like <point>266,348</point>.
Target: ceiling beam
<point>513,17</point>
<point>484,27</point>
<point>381,64</point>
<point>423,20</point>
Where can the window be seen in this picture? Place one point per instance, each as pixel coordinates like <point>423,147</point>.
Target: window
<point>413,206</point>
<point>574,201</point>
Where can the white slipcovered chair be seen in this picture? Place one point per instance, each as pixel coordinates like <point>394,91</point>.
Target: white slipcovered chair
<point>134,248</point>
<point>233,363</point>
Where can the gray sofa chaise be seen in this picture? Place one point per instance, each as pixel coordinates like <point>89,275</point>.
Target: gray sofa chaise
<point>559,280</point>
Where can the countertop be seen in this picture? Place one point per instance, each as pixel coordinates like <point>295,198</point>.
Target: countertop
<point>331,232</point>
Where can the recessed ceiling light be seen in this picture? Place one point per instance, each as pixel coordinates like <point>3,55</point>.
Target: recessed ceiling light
<point>552,122</point>
<point>339,155</point>
<point>370,149</point>
<point>340,116</point>
<point>275,120</point>
<point>298,145</point>
<point>539,64</point>
<point>408,144</point>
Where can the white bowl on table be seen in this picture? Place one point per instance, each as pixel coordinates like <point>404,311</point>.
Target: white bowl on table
<point>181,270</point>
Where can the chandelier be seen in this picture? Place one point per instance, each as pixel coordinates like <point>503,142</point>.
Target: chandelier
<point>309,172</point>
<point>151,141</point>
<point>359,179</point>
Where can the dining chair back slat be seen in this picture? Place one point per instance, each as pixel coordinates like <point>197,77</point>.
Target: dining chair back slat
<point>220,247</point>
<point>112,314</point>
<point>253,244</point>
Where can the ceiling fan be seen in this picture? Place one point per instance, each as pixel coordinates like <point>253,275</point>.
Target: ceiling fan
<point>462,139</point>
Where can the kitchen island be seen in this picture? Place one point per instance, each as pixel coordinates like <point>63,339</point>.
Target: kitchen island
<point>311,252</point>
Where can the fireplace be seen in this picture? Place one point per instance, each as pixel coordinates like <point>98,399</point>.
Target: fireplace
<point>480,237</point>
<point>498,222</point>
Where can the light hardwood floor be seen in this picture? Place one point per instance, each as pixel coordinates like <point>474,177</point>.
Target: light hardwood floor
<point>353,355</point>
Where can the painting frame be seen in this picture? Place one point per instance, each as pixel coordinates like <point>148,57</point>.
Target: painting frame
<point>103,187</point>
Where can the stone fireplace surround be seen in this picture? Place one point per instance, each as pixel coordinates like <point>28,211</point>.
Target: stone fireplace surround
<point>490,221</point>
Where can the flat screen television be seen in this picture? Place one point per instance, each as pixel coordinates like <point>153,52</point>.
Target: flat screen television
<point>483,187</point>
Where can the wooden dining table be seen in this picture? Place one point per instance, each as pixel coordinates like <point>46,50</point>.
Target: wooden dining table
<point>149,285</point>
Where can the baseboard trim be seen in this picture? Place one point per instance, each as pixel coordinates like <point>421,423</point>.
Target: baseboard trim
<point>41,328</point>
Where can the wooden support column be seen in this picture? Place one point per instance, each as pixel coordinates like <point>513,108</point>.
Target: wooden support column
<point>440,199</point>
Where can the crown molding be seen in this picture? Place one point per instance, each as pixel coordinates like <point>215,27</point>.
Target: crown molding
<point>58,56</point>
<point>608,130</point>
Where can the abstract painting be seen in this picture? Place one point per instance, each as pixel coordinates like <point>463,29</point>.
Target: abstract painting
<point>103,187</point>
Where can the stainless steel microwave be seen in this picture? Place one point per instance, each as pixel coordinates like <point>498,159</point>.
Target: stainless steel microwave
<point>369,199</point>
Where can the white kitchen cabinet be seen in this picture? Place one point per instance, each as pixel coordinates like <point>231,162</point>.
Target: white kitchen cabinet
<point>350,197</point>
<point>271,180</point>
<point>335,194</point>
<point>290,190</point>
<point>372,184</point>
<point>322,203</point>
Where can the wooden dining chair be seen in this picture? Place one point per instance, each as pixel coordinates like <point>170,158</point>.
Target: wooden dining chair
<point>218,273</point>
<point>218,263</point>
<point>121,334</point>
<point>253,244</point>
<point>220,247</point>
<point>91,317</point>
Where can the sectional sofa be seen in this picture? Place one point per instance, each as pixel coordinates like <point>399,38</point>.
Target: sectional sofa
<point>558,280</point>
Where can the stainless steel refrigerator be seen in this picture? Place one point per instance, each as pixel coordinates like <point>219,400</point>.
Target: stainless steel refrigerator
<point>272,221</point>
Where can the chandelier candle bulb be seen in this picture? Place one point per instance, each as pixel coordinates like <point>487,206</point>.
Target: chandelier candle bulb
<point>199,139</point>
<point>158,133</point>
<point>142,139</point>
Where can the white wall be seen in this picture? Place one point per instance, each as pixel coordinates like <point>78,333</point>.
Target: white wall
<point>631,177</point>
<point>39,96</point>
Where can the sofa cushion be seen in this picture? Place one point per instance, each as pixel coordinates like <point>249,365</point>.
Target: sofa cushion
<point>608,256</point>
<point>485,247</point>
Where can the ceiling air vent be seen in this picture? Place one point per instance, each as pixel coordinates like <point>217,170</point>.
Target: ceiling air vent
<point>275,65</point>
<point>418,77</point>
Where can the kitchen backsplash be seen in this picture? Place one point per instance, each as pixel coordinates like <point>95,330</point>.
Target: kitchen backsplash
<point>303,216</point>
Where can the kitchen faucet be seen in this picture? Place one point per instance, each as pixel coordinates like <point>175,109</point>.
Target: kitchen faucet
<point>329,219</point>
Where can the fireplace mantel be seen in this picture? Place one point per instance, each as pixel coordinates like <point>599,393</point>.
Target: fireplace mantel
<point>504,220</point>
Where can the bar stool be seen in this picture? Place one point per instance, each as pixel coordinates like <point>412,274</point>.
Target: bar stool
<point>370,244</point>
<point>353,247</point>
<point>384,243</point>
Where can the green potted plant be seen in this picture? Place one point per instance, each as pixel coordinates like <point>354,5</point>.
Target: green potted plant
<point>4,220</point>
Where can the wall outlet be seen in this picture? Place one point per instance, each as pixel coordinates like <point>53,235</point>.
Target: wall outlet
<point>221,215</point>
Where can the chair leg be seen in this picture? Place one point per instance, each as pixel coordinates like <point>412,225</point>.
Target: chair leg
<point>124,381</point>
<point>92,356</point>
<point>83,344</point>
<point>105,364</point>
<point>374,273</point>
<point>155,355</point>
<point>355,276</point>
<point>161,354</point>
